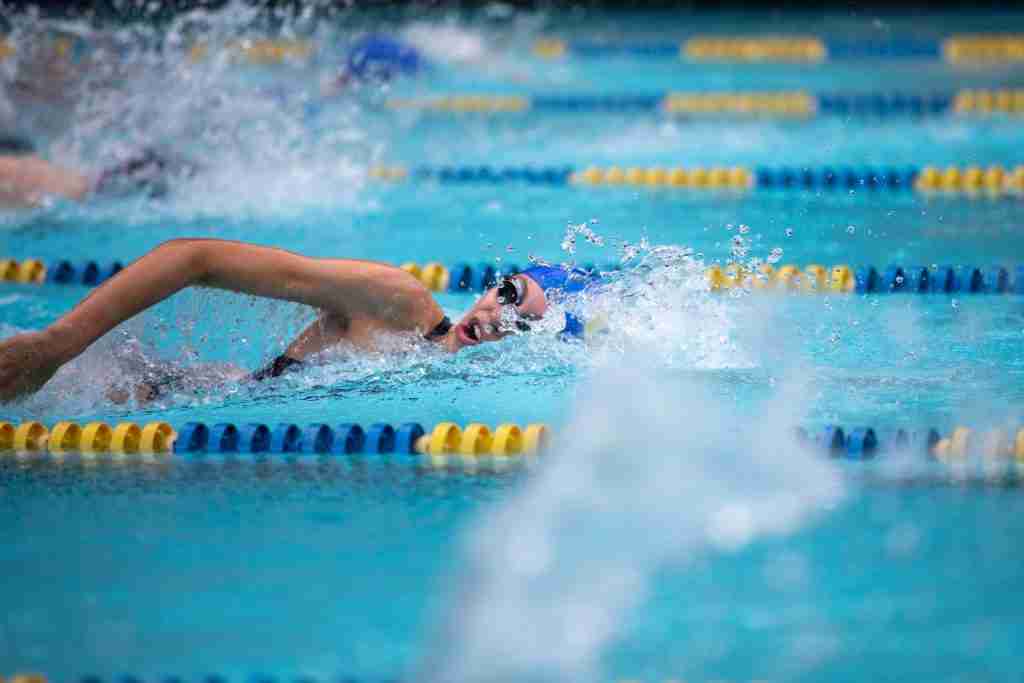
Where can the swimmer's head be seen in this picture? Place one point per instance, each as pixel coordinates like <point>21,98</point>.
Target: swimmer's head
<point>517,300</point>
<point>149,172</point>
<point>380,58</point>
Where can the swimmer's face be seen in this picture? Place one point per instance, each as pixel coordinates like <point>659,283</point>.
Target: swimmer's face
<point>489,320</point>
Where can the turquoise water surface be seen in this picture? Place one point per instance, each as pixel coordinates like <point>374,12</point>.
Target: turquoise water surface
<point>675,529</point>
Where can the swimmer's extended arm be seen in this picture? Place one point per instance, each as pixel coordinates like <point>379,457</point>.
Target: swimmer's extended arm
<point>25,181</point>
<point>341,288</point>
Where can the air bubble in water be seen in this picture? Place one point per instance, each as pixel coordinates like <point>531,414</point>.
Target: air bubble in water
<point>850,229</point>
<point>789,232</point>
<point>775,256</point>
<point>954,303</point>
<point>569,240</point>
<point>739,247</point>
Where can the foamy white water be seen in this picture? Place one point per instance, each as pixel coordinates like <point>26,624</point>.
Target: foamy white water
<point>650,472</point>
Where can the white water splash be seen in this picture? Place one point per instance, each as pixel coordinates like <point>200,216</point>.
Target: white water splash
<point>651,472</point>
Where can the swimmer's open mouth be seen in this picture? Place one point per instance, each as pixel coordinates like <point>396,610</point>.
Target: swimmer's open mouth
<point>470,332</point>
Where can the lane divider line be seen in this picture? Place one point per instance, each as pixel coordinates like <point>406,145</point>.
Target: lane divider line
<point>467,278</point>
<point>446,439</point>
<point>974,50</point>
<point>966,49</point>
<point>970,181</point>
<point>160,438</point>
<point>793,104</point>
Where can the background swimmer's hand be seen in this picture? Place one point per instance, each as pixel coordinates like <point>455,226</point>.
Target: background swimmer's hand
<point>27,362</point>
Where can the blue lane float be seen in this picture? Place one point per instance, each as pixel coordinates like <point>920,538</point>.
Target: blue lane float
<point>224,438</point>
<point>861,444</point>
<point>865,443</point>
<point>348,439</point>
<point>89,273</point>
<point>315,439</point>
<point>380,439</point>
<point>253,438</point>
<point>406,436</point>
<point>828,178</point>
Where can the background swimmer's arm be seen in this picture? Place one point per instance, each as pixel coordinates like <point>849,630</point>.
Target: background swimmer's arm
<point>25,181</point>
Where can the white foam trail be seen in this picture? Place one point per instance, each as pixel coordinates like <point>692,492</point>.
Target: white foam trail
<point>651,471</point>
<point>139,88</point>
<point>446,41</point>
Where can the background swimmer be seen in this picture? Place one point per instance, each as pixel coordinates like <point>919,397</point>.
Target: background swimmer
<point>357,301</point>
<point>26,181</point>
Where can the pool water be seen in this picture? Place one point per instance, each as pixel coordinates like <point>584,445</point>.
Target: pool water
<point>674,530</point>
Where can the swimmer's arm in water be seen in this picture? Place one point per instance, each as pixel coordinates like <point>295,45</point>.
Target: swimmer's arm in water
<point>360,294</point>
<point>26,180</point>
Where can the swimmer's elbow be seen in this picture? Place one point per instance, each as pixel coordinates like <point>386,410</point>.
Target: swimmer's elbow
<point>188,257</point>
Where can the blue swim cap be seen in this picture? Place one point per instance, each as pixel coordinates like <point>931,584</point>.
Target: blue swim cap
<point>381,56</point>
<point>557,281</point>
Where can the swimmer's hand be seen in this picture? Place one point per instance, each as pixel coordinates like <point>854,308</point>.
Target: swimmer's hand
<point>27,362</point>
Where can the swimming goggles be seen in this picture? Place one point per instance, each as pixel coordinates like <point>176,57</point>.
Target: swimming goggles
<point>512,292</point>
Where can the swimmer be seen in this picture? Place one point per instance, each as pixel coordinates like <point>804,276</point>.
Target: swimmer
<point>356,302</point>
<point>374,59</point>
<point>27,180</point>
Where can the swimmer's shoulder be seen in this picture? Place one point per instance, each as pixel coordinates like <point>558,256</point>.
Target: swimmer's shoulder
<point>391,293</point>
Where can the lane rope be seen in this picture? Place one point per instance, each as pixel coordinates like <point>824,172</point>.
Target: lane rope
<point>974,50</point>
<point>446,438</point>
<point>160,438</point>
<point>992,181</point>
<point>795,104</point>
<point>467,278</point>
<point>967,49</point>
